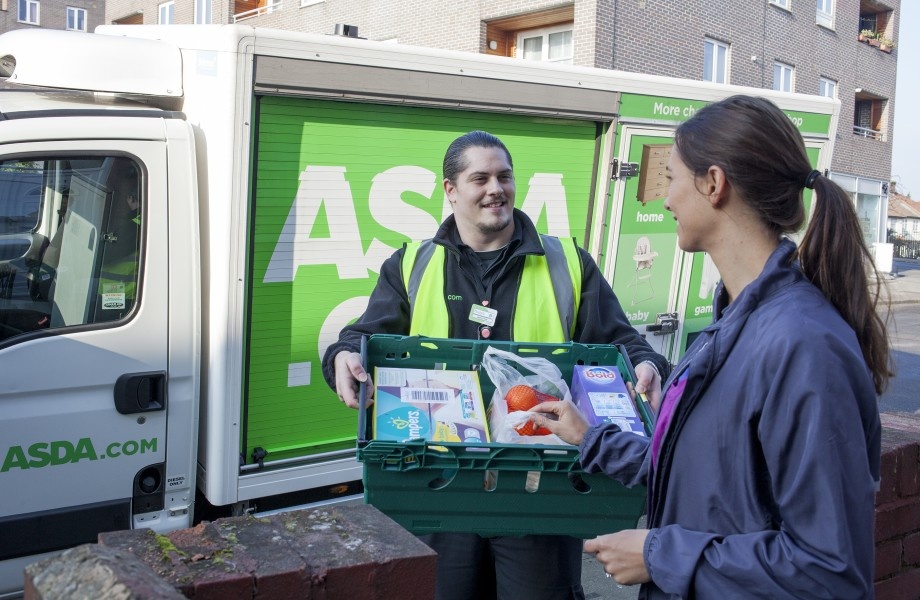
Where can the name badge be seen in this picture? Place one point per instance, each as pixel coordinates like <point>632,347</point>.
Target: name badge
<point>483,315</point>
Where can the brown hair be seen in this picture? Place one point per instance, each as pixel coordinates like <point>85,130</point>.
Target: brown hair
<point>763,156</point>
<point>455,162</point>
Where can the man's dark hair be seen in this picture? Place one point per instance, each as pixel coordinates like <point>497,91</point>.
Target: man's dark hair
<point>453,159</point>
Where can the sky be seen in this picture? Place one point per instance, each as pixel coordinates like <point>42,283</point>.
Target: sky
<point>905,160</point>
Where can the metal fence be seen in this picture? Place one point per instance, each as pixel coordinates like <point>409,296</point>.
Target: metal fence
<point>904,248</point>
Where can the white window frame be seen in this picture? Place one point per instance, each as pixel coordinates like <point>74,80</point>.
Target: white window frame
<point>306,3</point>
<point>826,85</point>
<point>166,13</point>
<point>545,33</point>
<point>786,80</point>
<point>75,19</point>
<point>717,74</point>
<point>32,10</point>
<point>824,15</point>
<point>204,12</point>
<point>783,4</point>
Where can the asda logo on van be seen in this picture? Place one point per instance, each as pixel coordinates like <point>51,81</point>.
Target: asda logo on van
<point>62,452</point>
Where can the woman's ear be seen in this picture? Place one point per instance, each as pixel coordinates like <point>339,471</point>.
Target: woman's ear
<point>717,186</point>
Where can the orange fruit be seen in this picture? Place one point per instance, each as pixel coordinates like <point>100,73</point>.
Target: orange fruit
<point>521,397</point>
<point>524,397</point>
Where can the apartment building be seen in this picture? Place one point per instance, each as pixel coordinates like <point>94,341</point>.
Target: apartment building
<point>806,46</point>
<point>73,15</point>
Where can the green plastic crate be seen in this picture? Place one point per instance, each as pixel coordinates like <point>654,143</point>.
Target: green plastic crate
<point>532,489</point>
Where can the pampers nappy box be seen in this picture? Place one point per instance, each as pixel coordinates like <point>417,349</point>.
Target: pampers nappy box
<point>434,405</point>
<point>601,394</point>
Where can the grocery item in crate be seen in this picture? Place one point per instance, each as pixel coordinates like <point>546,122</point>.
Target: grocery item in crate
<point>523,398</point>
<point>601,394</point>
<point>435,405</point>
<point>520,383</point>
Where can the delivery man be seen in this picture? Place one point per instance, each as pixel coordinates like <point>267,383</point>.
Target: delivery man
<point>488,274</point>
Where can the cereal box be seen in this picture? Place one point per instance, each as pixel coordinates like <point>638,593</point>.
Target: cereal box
<point>435,405</point>
<point>600,393</point>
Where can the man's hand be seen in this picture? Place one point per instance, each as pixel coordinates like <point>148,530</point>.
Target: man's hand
<point>648,382</point>
<point>349,374</point>
<point>562,418</point>
<point>621,555</point>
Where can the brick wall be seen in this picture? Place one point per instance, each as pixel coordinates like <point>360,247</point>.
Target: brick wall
<point>351,552</point>
<point>52,14</point>
<point>897,511</point>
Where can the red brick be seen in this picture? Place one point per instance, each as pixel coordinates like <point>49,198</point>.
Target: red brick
<point>887,559</point>
<point>888,489</point>
<point>911,545</point>
<point>292,584</point>
<point>909,471</point>
<point>905,586</point>
<point>231,586</point>
<point>896,519</point>
<point>390,580</point>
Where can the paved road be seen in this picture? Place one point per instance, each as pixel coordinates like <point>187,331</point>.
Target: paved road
<point>904,329</point>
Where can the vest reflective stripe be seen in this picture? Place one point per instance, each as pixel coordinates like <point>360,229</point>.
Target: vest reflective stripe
<point>547,301</point>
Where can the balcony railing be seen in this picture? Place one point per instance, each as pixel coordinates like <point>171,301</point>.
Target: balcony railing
<point>872,134</point>
<point>258,11</point>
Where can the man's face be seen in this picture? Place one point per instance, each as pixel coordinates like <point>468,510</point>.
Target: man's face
<point>482,196</point>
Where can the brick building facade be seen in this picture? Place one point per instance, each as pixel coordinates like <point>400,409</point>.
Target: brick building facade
<point>80,15</point>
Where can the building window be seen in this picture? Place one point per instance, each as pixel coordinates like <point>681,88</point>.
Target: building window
<point>825,13</point>
<point>780,3</point>
<point>28,11</point>
<point>715,61</point>
<point>876,18</point>
<point>203,12</point>
<point>166,13</point>
<point>827,87</point>
<point>869,115</point>
<point>783,77</point>
<point>549,44</point>
<point>76,19</point>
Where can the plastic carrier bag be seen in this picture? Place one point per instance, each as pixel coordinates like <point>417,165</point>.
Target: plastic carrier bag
<point>507,370</point>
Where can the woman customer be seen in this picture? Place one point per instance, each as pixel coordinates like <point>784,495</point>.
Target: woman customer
<point>764,463</point>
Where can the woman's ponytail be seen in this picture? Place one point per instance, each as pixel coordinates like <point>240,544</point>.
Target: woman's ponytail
<point>834,256</point>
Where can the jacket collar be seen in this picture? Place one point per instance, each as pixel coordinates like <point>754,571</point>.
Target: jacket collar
<point>525,240</point>
<point>780,270</point>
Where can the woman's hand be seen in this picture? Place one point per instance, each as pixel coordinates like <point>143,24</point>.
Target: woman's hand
<point>621,555</point>
<point>562,418</point>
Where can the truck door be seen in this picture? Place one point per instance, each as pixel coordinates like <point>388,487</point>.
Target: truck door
<point>643,260</point>
<point>83,345</point>
<point>667,293</point>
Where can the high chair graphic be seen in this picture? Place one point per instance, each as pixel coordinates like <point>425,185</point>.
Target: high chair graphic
<point>644,257</point>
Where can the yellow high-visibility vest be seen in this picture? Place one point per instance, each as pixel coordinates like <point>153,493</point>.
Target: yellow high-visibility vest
<point>550,288</point>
